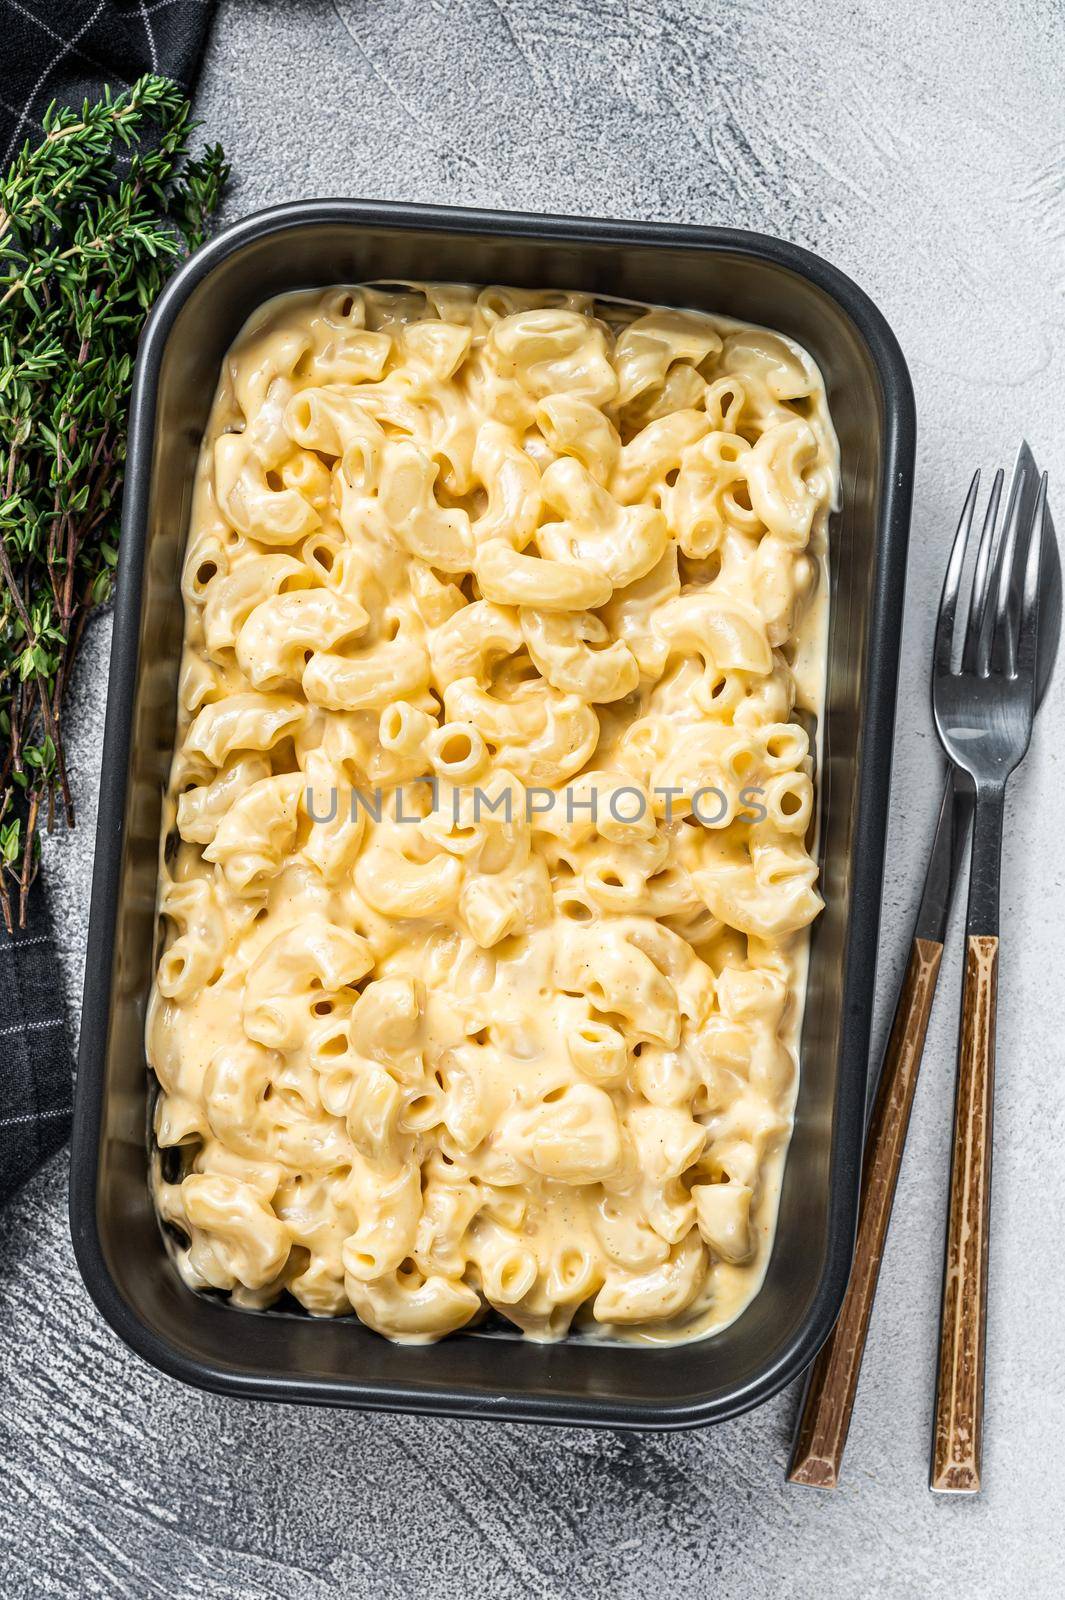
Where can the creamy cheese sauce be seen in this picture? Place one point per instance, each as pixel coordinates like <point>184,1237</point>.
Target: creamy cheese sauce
<point>486,870</point>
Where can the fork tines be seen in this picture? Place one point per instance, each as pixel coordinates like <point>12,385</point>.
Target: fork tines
<point>999,637</point>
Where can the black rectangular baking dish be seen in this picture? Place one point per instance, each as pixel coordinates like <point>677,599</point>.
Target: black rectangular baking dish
<point>119,1248</point>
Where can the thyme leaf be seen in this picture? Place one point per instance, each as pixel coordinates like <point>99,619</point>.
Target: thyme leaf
<point>92,221</point>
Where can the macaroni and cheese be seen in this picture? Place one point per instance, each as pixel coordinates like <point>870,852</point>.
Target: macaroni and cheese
<point>486,866</point>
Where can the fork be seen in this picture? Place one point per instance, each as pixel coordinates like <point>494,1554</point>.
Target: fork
<point>825,1415</point>
<point>983,710</point>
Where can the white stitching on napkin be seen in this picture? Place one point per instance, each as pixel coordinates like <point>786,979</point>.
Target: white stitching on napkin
<point>23,944</point>
<point>30,1027</point>
<point>33,1116</point>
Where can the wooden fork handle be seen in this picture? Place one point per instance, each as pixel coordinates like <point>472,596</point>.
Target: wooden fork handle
<point>826,1414</point>
<point>959,1415</point>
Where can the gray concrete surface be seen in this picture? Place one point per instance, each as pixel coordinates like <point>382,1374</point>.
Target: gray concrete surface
<point>922,148</point>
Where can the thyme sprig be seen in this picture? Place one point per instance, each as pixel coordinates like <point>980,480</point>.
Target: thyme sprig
<point>91,222</point>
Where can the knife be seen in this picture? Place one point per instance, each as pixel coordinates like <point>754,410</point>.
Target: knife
<point>824,1421</point>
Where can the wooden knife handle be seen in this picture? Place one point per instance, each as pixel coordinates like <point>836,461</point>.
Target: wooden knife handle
<point>959,1416</point>
<point>826,1414</point>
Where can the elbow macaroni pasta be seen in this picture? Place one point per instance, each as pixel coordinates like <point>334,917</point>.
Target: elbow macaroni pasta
<point>486,870</point>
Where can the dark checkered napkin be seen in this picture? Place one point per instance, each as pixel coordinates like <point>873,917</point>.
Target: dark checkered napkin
<point>35,1080</point>
<point>64,50</point>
